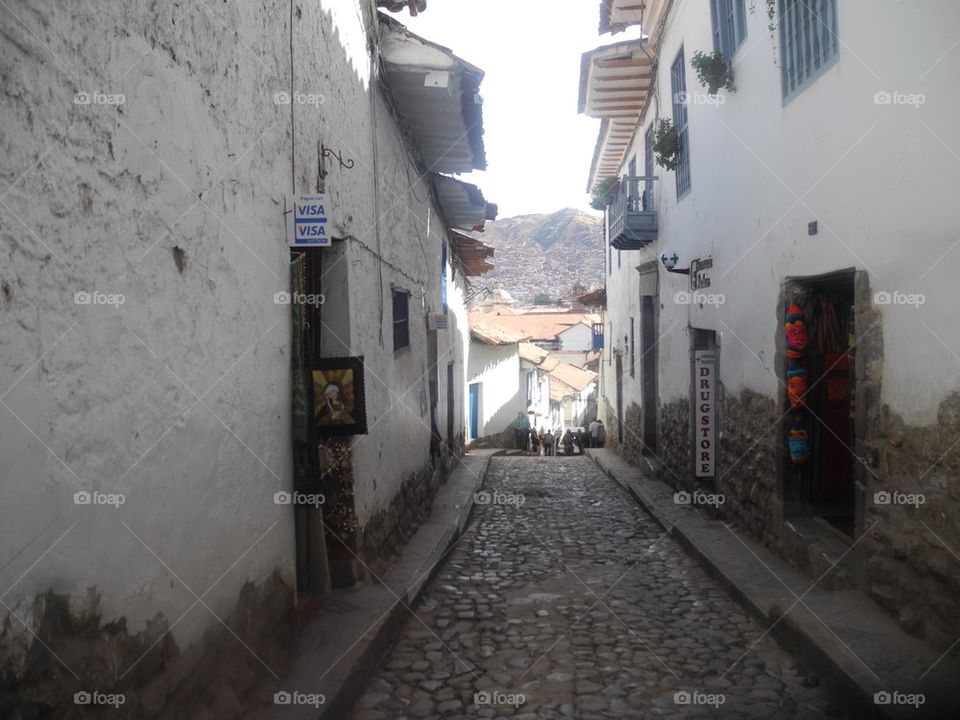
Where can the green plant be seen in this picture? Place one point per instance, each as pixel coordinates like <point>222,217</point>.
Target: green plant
<point>604,192</point>
<point>714,71</point>
<point>666,145</point>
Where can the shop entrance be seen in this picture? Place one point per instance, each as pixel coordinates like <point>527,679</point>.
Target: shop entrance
<point>826,479</point>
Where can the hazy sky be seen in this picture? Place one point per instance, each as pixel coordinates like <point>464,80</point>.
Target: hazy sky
<point>538,147</point>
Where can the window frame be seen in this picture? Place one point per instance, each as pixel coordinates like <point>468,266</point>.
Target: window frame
<point>793,84</point>
<point>728,20</point>
<point>681,122</point>
<point>403,323</point>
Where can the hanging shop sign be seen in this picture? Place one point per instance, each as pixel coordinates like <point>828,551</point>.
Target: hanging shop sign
<point>310,221</point>
<point>699,275</point>
<point>704,394</point>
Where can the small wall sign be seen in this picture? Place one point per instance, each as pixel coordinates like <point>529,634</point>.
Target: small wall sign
<point>704,430</point>
<point>699,277</point>
<point>310,221</point>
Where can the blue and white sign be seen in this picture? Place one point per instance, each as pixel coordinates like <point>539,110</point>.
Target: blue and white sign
<point>310,221</point>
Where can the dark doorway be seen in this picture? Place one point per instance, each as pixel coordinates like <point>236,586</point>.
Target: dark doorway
<point>827,480</point>
<point>619,398</point>
<point>648,374</point>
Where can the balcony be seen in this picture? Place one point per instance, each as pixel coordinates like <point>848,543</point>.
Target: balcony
<point>632,216</point>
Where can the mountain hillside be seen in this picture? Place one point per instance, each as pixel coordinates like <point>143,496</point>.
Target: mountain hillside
<point>545,253</point>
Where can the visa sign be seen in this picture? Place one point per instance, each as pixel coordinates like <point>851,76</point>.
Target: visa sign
<point>310,221</point>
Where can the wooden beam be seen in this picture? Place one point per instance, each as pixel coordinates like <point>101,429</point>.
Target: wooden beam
<point>613,90</point>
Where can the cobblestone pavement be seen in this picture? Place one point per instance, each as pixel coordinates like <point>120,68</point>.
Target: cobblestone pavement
<point>574,603</point>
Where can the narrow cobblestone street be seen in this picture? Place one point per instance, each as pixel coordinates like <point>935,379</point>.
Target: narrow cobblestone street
<point>565,599</point>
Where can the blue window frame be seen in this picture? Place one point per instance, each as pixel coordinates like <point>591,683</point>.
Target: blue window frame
<point>678,87</point>
<point>729,19</point>
<point>443,277</point>
<point>809,44</point>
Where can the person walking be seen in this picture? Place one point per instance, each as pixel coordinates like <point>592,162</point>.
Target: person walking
<point>534,441</point>
<point>594,429</point>
<point>521,430</point>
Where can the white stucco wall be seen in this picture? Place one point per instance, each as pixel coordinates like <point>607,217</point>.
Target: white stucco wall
<point>878,178</point>
<point>179,398</point>
<point>497,368</point>
<point>577,337</point>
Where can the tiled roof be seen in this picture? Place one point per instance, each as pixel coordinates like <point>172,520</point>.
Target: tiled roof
<point>532,353</point>
<point>490,335</point>
<point>536,326</point>
<point>571,375</point>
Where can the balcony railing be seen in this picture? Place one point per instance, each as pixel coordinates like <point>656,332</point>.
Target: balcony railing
<point>632,216</point>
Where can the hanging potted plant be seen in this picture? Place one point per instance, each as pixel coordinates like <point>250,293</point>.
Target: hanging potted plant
<point>666,145</point>
<point>604,192</point>
<point>714,71</point>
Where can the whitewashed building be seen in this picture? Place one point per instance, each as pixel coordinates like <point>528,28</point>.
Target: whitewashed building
<point>156,477</point>
<point>823,175</point>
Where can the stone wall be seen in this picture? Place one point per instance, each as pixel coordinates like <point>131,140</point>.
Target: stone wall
<point>746,468</point>
<point>390,529</point>
<point>910,555</point>
<point>673,442</point>
<point>632,447</point>
<point>157,678</point>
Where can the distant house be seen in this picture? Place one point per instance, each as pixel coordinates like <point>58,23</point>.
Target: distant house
<point>494,394</point>
<point>573,389</point>
<point>549,330</point>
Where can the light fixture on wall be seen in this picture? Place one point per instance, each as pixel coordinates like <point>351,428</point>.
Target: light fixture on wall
<point>670,264</point>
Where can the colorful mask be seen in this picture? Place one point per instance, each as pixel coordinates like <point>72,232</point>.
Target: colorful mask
<point>796,330</point>
<point>799,443</point>
<point>796,386</point>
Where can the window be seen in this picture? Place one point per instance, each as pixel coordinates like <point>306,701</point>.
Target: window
<point>808,42</point>
<point>401,320</point>
<point>633,372</point>
<point>678,85</point>
<point>729,18</point>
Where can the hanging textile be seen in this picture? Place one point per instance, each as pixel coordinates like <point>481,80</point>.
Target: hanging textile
<point>300,414</point>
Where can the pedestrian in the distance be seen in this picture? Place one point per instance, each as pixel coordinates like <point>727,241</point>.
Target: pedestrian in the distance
<point>594,429</point>
<point>601,435</point>
<point>521,430</point>
<point>534,441</point>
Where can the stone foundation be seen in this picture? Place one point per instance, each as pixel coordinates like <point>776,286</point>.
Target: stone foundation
<point>908,569</point>
<point>632,448</point>
<point>749,430</point>
<point>390,529</point>
<point>673,442</point>
<point>207,680</point>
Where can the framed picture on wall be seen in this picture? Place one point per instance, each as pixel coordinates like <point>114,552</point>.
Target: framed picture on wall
<point>339,404</point>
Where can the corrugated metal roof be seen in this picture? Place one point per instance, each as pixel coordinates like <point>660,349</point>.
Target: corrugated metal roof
<point>615,81</point>
<point>437,94</point>
<point>463,204</point>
